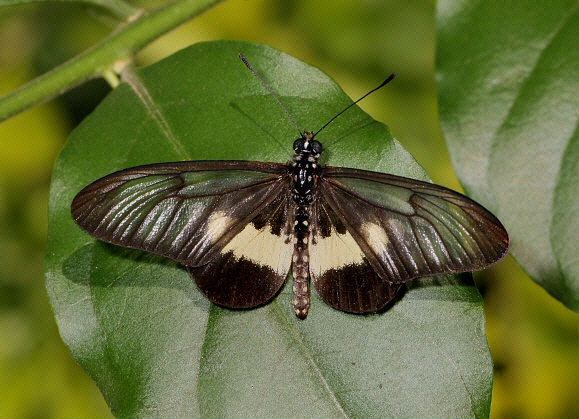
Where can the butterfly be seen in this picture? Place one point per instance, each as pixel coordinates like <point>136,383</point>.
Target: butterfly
<point>239,226</point>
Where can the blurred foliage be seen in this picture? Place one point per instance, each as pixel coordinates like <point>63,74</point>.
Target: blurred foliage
<point>533,338</point>
<point>508,77</point>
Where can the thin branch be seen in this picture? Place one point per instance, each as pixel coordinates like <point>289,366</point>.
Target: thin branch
<point>120,45</point>
<point>119,8</point>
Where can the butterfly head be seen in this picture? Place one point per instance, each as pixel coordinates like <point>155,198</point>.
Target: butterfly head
<point>307,146</point>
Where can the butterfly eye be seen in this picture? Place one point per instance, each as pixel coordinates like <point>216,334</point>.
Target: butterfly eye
<point>299,145</point>
<point>316,147</point>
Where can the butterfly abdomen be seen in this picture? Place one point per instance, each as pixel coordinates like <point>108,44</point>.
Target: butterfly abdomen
<point>300,261</point>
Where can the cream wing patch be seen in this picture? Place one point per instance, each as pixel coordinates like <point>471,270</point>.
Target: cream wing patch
<point>333,252</point>
<point>376,237</point>
<point>262,247</point>
<point>217,225</point>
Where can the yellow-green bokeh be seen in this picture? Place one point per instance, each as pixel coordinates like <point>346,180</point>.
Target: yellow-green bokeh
<point>533,338</point>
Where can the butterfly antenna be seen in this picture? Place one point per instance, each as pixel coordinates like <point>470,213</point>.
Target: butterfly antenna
<point>384,83</point>
<point>242,57</point>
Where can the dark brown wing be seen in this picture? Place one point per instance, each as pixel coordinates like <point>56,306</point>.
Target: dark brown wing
<point>229,217</point>
<point>340,271</point>
<point>253,266</point>
<point>403,229</point>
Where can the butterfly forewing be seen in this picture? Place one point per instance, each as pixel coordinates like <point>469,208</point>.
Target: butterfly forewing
<point>408,228</point>
<point>340,270</point>
<point>186,211</point>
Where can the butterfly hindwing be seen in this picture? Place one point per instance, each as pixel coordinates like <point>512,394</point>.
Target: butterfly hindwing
<point>187,211</point>
<point>340,270</point>
<point>408,229</point>
<point>253,266</point>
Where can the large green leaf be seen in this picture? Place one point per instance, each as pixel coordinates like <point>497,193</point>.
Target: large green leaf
<point>156,347</point>
<point>509,100</point>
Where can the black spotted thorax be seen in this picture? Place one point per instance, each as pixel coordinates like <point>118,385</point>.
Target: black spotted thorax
<point>305,168</point>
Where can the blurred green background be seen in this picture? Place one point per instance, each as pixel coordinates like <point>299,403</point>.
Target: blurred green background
<point>533,338</point>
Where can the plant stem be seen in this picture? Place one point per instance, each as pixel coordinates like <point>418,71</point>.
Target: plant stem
<point>121,44</point>
<point>112,79</point>
<point>119,8</point>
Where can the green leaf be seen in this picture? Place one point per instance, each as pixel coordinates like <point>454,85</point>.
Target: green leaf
<point>508,98</point>
<point>156,347</point>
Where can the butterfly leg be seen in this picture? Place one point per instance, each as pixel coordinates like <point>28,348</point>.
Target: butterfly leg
<point>300,262</point>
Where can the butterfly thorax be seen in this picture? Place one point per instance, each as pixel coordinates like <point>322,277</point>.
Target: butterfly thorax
<point>304,170</point>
